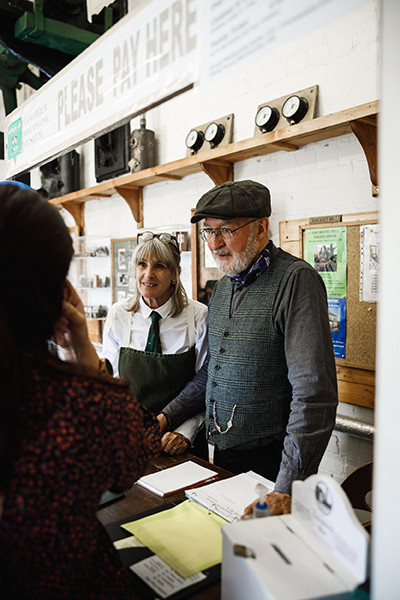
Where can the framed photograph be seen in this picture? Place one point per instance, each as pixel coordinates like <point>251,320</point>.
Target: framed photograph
<point>123,280</point>
<point>122,275</point>
<point>122,263</point>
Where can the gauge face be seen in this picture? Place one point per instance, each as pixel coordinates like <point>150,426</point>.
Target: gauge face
<point>291,106</point>
<point>194,139</point>
<point>191,138</point>
<point>211,132</point>
<point>295,109</point>
<point>214,134</point>
<point>267,118</point>
<point>263,116</point>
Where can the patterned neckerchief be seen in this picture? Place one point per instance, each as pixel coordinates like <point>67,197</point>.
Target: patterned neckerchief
<point>246,277</point>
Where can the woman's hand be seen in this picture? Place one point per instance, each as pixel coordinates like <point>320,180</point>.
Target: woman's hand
<point>70,331</point>
<point>174,443</point>
<point>163,421</point>
<point>279,504</point>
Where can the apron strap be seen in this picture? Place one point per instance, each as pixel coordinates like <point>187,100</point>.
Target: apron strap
<point>127,329</point>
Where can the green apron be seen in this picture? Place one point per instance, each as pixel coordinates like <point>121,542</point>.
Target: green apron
<point>156,379</point>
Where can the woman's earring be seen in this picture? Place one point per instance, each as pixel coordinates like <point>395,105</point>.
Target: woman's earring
<point>173,282</point>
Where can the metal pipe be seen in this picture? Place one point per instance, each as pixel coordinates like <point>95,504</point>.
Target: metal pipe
<point>360,429</point>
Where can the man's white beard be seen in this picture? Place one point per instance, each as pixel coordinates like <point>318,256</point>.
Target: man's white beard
<point>239,262</point>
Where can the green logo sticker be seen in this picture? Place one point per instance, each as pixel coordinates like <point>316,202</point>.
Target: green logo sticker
<point>15,139</point>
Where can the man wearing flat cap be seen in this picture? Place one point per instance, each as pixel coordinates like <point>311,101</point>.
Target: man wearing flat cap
<point>269,386</point>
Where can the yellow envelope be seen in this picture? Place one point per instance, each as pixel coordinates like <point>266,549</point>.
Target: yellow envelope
<point>186,537</point>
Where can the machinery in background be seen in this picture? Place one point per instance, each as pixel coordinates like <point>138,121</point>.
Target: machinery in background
<point>143,147</point>
<point>60,176</point>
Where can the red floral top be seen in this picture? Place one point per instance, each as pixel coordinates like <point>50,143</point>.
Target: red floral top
<point>78,435</point>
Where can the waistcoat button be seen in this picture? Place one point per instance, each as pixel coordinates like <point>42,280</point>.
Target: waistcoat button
<point>217,367</point>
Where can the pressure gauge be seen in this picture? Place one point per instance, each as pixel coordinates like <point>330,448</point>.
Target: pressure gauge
<point>267,118</point>
<point>295,109</point>
<point>214,134</point>
<point>194,140</point>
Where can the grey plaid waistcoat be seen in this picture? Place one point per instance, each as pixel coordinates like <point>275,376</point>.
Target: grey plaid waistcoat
<point>247,374</point>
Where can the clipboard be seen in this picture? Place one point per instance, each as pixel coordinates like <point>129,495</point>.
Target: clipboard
<point>130,556</point>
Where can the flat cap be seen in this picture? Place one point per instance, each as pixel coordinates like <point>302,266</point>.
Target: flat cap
<point>234,199</point>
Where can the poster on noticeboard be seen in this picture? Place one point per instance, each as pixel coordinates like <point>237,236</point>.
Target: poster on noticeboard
<point>326,250</point>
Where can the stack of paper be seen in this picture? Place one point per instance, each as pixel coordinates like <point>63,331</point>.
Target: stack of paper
<point>228,498</point>
<point>187,537</point>
<point>178,478</point>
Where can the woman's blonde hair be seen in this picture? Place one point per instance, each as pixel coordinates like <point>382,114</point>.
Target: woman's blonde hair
<point>168,254</point>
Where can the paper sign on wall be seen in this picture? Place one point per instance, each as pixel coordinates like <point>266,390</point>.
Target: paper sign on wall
<point>369,262</point>
<point>326,250</point>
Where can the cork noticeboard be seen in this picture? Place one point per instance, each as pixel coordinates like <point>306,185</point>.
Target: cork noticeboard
<point>356,372</point>
<point>361,316</point>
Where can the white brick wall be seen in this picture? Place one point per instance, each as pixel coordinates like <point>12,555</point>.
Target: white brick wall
<point>328,177</point>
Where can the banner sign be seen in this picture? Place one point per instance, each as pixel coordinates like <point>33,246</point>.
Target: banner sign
<point>236,32</point>
<point>145,58</point>
<point>150,55</point>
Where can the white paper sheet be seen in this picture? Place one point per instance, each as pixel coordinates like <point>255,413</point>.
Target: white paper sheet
<point>229,497</point>
<point>161,578</point>
<point>369,262</point>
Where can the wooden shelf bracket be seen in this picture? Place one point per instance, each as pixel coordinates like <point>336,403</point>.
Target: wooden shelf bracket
<point>366,132</point>
<point>133,196</point>
<point>219,172</point>
<point>76,209</point>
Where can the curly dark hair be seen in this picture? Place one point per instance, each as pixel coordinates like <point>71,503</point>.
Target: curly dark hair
<point>35,253</point>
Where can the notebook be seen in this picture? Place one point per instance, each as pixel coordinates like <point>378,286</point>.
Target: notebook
<point>177,479</point>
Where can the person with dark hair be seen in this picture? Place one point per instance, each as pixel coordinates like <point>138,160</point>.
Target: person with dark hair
<point>158,369</point>
<point>269,387</point>
<point>68,432</point>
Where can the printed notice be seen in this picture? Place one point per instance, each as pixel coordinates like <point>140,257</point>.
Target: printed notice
<point>369,262</point>
<point>161,578</point>
<point>337,308</point>
<point>235,32</point>
<point>326,250</point>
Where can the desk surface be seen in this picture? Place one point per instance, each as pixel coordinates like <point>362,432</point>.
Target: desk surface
<point>138,499</point>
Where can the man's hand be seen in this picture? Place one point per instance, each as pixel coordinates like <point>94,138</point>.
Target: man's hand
<point>174,443</point>
<point>279,504</point>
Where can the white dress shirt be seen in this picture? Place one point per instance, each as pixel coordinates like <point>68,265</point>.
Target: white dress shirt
<point>174,340</point>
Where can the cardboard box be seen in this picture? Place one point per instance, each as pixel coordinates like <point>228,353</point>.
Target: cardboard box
<point>318,552</point>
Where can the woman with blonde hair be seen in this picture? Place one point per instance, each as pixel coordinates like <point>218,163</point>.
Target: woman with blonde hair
<point>158,338</point>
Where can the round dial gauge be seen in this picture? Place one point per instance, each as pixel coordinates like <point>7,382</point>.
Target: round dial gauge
<point>194,140</point>
<point>267,118</point>
<point>214,134</point>
<point>295,109</point>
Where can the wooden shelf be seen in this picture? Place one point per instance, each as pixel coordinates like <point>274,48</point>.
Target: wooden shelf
<point>218,163</point>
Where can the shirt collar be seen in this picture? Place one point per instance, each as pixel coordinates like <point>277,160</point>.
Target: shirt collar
<point>164,310</point>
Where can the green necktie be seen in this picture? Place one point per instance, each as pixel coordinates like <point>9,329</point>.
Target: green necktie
<point>153,340</point>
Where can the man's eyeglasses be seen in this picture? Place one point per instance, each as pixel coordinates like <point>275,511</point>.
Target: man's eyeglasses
<point>224,233</point>
<point>165,238</point>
